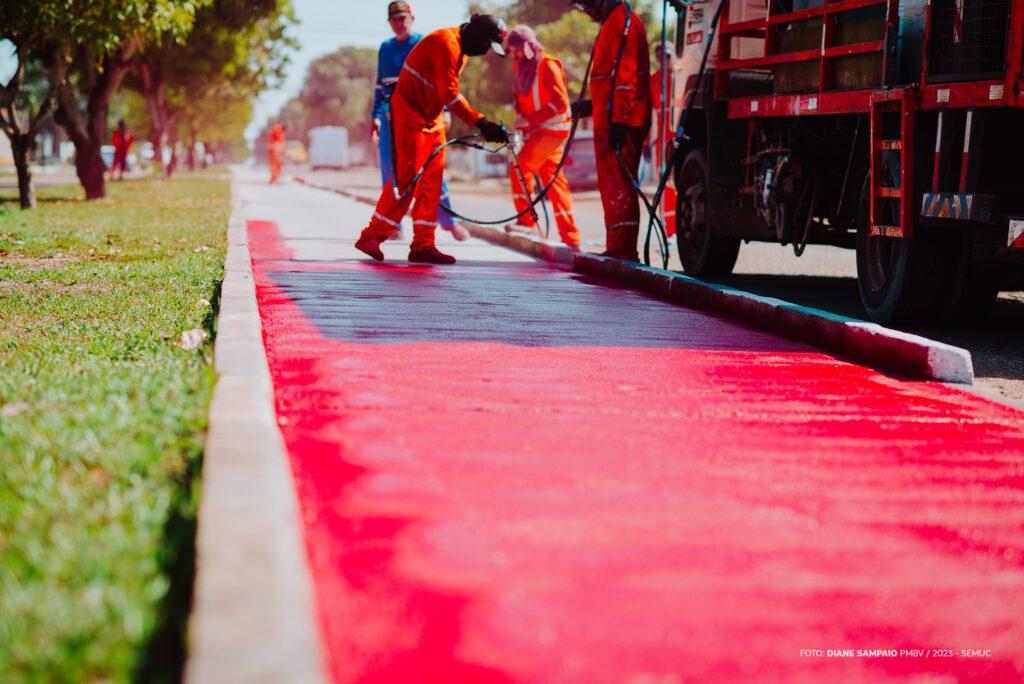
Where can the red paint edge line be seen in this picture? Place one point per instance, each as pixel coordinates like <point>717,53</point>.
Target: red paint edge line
<point>867,343</point>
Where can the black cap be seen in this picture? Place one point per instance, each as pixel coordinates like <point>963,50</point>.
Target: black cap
<point>483,32</point>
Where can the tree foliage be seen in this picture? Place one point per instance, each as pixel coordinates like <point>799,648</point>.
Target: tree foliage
<point>235,49</point>
<point>337,91</point>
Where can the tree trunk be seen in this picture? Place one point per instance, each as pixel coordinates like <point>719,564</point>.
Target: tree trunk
<point>91,171</point>
<point>21,148</point>
<point>156,138</point>
<point>88,133</point>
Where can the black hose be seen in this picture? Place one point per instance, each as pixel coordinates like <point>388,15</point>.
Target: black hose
<point>684,116</point>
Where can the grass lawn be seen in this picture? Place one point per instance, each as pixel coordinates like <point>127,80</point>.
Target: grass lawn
<point>102,418</point>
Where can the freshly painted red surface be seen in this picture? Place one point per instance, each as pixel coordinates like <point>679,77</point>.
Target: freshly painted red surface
<point>510,474</point>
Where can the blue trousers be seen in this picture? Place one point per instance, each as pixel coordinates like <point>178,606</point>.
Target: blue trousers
<point>384,149</point>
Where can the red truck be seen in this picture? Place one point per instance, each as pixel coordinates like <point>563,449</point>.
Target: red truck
<point>893,127</point>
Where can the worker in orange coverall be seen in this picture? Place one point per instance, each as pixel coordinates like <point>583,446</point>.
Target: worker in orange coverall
<point>622,117</point>
<point>275,151</point>
<point>542,108</point>
<point>122,140</point>
<point>428,84</point>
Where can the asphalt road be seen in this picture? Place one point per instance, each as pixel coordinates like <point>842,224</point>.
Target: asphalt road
<point>823,278</point>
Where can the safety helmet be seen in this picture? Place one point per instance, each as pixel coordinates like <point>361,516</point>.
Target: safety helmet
<point>481,33</point>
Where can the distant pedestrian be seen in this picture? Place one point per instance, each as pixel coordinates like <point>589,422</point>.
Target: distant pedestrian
<point>390,60</point>
<point>541,100</point>
<point>122,140</point>
<point>275,151</point>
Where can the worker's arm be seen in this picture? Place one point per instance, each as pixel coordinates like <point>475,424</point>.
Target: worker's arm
<point>627,80</point>
<point>378,92</point>
<point>552,81</point>
<point>447,86</point>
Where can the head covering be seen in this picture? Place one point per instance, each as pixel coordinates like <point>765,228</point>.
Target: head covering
<point>523,38</point>
<point>398,8</point>
<point>598,10</point>
<point>481,33</point>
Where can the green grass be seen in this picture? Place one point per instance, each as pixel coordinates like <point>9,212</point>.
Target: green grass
<point>102,418</point>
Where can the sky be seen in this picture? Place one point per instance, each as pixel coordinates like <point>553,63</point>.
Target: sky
<point>326,25</point>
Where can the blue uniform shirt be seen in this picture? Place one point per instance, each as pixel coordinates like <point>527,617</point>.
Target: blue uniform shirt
<point>390,59</point>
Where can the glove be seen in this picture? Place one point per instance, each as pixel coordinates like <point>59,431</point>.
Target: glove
<point>492,132</point>
<point>618,136</point>
<point>375,131</point>
<point>581,109</point>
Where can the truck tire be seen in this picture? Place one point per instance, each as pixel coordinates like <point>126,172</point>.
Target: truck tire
<point>904,280</point>
<point>975,287</point>
<point>702,252</point>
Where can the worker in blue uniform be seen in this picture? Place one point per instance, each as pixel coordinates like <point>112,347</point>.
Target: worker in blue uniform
<point>390,59</point>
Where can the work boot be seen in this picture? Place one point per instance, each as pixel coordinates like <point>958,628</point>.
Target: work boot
<point>370,247</point>
<point>430,255</point>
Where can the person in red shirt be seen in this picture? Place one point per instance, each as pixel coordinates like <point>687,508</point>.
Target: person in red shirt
<point>428,84</point>
<point>275,151</point>
<point>122,140</point>
<point>542,109</point>
<point>621,106</point>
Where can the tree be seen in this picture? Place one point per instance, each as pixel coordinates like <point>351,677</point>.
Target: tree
<point>39,35</point>
<point>110,34</point>
<point>234,49</point>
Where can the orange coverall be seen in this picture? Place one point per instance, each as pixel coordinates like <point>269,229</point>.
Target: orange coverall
<point>275,152</point>
<point>630,104</point>
<point>429,83</point>
<point>546,111</point>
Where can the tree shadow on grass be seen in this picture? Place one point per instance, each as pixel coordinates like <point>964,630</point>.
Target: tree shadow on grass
<point>162,657</point>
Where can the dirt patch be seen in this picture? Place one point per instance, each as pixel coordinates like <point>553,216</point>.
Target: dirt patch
<point>37,263</point>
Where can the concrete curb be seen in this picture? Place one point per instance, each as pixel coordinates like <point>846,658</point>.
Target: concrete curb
<point>868,343</point>
<point>547,250</point>
<point>253,612</point>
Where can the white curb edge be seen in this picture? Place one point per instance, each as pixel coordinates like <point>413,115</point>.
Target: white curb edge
<point>868,343</point>
<point>253,611</point>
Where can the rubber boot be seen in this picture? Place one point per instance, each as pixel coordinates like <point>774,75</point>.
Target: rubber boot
<point>430,255</point>
<point>370,247</point>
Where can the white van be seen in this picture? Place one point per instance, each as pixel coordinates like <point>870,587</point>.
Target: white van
<point>328,148</point>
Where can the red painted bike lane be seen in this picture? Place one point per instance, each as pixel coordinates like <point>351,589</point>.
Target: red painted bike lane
<point>508,473</point>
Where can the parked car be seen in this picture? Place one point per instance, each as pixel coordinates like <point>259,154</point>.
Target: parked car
<point>328,148</point>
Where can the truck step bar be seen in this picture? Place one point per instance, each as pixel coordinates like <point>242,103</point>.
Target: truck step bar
<point>886,189</point>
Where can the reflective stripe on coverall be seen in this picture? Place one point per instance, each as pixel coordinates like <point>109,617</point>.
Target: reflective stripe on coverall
<point>429,82</point>
<point>546,110</point>
<point>630,104</point>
